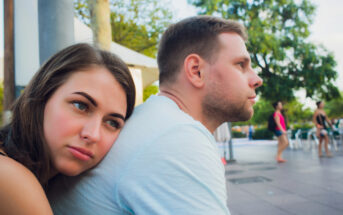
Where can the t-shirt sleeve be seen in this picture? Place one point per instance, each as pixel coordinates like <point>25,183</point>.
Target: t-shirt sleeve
<point>180,172</point>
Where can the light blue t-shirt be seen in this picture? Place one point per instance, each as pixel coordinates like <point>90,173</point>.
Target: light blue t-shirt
<point>163,162</point>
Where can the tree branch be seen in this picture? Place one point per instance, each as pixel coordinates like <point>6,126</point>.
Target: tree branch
<point>148,45</point>
<point>257,61</point>
<point>266,63</point>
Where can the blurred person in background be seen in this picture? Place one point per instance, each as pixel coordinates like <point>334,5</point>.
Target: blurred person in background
<point>280,131</point>
<point>322,123</point>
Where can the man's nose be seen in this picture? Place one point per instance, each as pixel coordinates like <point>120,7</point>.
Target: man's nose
<point>255,81</point>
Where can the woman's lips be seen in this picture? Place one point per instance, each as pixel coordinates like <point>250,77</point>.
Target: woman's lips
<point>80,153</point>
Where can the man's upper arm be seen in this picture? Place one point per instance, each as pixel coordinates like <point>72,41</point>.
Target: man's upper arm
<point>180,172</point>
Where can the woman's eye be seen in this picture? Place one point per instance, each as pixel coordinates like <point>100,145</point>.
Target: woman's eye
<point>80,105</point>
<point>113,123</point>
<point>241,64</point>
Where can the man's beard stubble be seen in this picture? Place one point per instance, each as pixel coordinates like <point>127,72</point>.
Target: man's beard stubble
<point>216,108</point>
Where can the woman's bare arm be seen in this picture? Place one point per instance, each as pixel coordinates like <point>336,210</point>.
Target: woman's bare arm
<point>21,193</point>
<point>328,120</point>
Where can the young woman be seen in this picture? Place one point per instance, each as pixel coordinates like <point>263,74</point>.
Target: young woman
<point>280,131</point>
<point>64,122</point>
<point>321,121</point>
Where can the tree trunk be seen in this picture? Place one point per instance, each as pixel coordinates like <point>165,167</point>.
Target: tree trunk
<point>100,23</point>
<point>9,93</point>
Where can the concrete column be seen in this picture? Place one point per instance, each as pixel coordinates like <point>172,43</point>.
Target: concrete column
<point>56,26</point>
<point>25,42</point>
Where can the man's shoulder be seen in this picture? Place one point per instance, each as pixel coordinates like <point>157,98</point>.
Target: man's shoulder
<point>136,142</point>
<point>176,143</point>
<point>159,107</point>
<point>154,118</point>
<point>177,161</point>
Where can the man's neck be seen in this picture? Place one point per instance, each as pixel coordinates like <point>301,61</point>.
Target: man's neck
<point>190,108</point>
<point>173,96</point>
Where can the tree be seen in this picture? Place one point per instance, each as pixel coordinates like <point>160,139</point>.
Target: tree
<point>99,11</point>
<point>9,89</point>
<point>297,113</point>
<point>262,111</point>
<point>135,25</point>
<point>278,32</point>
<point>150,90</point>
<point>294,111</point>
<point>334,108</point>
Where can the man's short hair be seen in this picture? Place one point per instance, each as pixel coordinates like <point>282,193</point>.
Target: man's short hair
<point>198,35</point>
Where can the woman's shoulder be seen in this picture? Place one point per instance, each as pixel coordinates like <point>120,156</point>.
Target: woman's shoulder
<point>277,114</point>
<point>321,112</point>
<point>316,112</point>
<point>21,192</point>
<point>11,169</point>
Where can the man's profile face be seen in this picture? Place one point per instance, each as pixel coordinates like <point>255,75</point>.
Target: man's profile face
<point>231,82</point>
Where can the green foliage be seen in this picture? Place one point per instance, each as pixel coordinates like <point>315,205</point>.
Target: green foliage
<point>81,11</point>
<point>237,134</point>
<point>135,24</point>
<point>302,126</point>
<point>262,111</point>
<point>334,108</point>
<point>278,32</point>
<point>294,111</point>
<point>242,123</point>
<point>149,90</point>
<point>262,134</point>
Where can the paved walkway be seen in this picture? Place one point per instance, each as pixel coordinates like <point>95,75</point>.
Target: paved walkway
<point>304,185</point>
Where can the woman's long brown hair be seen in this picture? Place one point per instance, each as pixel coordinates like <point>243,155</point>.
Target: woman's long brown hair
<point>23,139</point>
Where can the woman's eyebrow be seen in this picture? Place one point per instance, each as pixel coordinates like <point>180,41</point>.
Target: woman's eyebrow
<point>118,115</point>
<point>87,97</point>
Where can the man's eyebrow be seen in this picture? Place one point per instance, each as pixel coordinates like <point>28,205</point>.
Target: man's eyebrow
<point>244,58</point>
<point>118,115</point>
<point>87,97</point>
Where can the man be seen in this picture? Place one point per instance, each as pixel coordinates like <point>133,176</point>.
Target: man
<point>165,161</point>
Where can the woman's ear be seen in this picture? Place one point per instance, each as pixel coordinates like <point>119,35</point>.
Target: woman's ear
<point>194,70</point>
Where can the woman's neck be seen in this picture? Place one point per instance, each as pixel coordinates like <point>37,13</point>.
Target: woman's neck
<point>53,173</point>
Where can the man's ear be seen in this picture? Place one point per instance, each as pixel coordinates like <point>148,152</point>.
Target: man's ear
<point>194,66</point>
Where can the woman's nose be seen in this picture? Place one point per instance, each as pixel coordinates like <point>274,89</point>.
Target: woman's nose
<point>91,130</point>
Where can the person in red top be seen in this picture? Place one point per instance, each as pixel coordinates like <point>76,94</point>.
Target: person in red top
<point>280,131</point>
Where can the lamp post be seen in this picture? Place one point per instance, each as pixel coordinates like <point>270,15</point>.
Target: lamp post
<point>231,157</point>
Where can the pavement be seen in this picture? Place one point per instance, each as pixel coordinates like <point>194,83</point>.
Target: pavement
<point>305,184</point>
